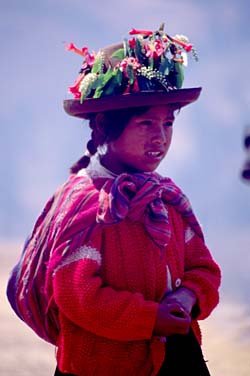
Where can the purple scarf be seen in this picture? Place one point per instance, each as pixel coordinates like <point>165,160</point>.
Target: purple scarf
<point>145,196</point>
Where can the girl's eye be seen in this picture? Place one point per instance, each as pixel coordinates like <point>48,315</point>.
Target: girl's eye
<point>146,122</point>
<point>150,122</point>
<point>168,124</point>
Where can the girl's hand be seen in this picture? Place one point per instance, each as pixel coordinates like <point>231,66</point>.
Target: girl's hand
<point>182,296</point>
<point>171,319</point>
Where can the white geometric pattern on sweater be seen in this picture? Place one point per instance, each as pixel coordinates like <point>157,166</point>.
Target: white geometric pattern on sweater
<point>169,280</point>
<point>85,252</point>
<point>189,233</point>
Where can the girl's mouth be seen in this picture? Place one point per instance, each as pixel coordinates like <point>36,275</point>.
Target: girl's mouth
<point>154,154</point>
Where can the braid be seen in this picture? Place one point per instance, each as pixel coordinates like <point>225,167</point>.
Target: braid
<point>92,145</point>
<point>83,162</point>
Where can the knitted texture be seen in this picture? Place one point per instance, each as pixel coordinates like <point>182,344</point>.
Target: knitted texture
<point>102,282</point>
<point>116,310</point>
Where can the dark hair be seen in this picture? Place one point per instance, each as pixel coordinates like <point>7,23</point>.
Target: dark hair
<point>107,127</point>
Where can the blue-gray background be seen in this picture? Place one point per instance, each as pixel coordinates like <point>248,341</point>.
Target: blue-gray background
<point>39,141</point>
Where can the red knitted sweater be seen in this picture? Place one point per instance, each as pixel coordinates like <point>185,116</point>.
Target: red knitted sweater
<point>108,293</point>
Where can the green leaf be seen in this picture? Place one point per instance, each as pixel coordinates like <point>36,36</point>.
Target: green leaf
<point>104,79</point>
<point>131,76</point>
<point>179,75</point>
<point>118,54</point>
<point>119,76</point>
<point>127,48</point>
<point>165,66</point>
<point>176,76</point>
<point>97,66</point>
<point>113,85</point>
<point>138,53</point>
<point>111,81</point>
<point>151,62</point>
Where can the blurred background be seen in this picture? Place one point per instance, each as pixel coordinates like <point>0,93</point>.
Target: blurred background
<point>39,142</point>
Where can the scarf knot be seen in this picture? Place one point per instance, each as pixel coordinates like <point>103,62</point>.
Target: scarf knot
<point>144,197</point>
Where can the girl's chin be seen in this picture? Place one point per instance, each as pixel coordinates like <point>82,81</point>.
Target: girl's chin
<point>145,168</point>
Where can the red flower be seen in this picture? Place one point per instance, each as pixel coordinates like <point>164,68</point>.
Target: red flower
<point>187,47</point>
<point>135,86</point>
<point>75,88</point>
<point>146,33</point>
<point>132,43</point>
<point>85,51</point>
<point>89,58</point>
<point>71,47</point>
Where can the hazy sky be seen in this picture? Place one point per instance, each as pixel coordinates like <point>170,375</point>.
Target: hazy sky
<point>39,141</point>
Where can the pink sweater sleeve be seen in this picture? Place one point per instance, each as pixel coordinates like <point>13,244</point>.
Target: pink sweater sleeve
<point>81,296</point>
<point>202,276</point>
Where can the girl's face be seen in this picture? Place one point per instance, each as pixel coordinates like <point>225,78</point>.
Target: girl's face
<point>143,144</point>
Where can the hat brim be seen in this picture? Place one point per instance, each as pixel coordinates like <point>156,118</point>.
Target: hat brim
<point>180,97</point>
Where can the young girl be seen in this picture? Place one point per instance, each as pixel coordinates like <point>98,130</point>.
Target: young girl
<point>119,267</point>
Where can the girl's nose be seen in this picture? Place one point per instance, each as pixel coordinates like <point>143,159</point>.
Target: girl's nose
<point>159,136</point>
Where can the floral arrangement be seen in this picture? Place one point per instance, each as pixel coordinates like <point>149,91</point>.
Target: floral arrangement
<point>148,61</point>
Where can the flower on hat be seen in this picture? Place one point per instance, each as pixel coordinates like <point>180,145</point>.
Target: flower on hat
<point>154,49</point>
<point>75,89</point>
<point>89,58</point>
<point>140,32</point>
<point>129,66</point>
<point>148,61</point>
<point>132,43</point>
<point>183,41</point>
<point>72,47</point>
<point>88,62</point>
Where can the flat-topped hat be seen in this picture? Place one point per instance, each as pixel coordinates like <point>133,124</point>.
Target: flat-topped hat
<point>145,70</point>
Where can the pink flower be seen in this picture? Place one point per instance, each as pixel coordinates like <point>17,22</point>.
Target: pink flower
<point>149,48</point>
<point>75,88</point>
<point>146,33</point>
<point>165,39</point>
<point>159,49</point>
<point>71,47</point>
<point>134,63</point>
<point>85,51</point>
<point>89,58</point>
<point>129,61</point>
<point>155,49</point>
<point>123,64</point>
